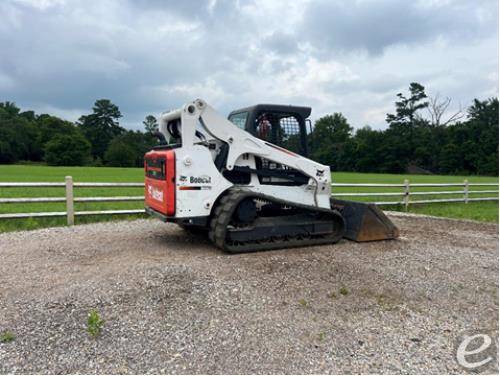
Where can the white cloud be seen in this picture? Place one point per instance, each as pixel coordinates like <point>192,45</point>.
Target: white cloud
<point>335,56</point>
<point>71,114</point>
<point>6,82</point>
<point>41,4</point>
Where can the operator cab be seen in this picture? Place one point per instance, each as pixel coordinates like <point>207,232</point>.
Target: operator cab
<point>281,125</point>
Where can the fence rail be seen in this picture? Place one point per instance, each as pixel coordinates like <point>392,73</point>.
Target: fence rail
<point>89,185</point>
<point>69,199</point>
<point>413,185</point>
<point>405,195</point>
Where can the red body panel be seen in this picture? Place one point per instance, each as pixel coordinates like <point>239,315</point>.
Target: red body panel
<point>159,169</point>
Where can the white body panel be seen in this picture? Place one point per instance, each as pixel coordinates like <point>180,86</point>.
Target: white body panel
<point>196,203</point>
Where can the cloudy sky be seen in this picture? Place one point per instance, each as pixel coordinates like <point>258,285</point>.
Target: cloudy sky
<point>344,56</point>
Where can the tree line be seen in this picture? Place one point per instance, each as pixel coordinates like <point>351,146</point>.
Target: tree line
<point>421,137</point>
<point>96,139</point>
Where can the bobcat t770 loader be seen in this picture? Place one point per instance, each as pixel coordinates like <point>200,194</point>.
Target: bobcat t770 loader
<point>248,183</point>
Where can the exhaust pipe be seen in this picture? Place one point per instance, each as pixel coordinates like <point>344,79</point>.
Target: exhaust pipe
<point>160,136</point>
<point>365,222</point>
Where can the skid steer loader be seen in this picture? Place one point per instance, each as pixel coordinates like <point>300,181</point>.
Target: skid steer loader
<point>248,183</point>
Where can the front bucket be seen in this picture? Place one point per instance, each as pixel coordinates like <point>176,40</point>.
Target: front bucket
<point>365,222</point>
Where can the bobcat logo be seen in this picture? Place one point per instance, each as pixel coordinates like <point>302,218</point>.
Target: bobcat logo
<point>156,194</point>
<point>205,179</point>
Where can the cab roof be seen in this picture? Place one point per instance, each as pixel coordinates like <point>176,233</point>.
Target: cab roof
<point>303,112</point>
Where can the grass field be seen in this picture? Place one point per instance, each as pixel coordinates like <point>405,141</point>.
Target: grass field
<point>482,211</point>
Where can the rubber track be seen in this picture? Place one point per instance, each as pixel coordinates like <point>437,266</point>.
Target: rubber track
<point>228,204</point>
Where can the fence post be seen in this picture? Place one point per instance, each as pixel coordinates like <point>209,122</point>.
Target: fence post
<point>70,211</point>
<point>466,191</point>
<point>406,198</point>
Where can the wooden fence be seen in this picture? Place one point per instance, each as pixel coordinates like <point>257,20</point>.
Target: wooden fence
<point>69,198</point>
<point>404,196</point>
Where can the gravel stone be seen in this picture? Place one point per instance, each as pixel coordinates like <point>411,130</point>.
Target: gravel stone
<point>172,303</point>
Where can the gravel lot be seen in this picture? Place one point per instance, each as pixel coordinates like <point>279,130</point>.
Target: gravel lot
<point>174,304</point>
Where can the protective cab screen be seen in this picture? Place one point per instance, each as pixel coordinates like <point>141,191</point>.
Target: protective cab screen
<point>280,129</point>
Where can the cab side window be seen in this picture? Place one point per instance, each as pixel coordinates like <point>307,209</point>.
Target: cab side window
<point>239,119</point>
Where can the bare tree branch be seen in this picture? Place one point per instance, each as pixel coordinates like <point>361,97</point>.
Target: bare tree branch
<point>437,109</point>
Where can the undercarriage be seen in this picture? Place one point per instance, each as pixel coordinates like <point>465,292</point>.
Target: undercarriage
<point>267,223</point>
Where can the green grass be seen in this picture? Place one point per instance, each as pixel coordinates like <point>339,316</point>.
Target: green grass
<point>482,211</point>
<point>27,173</point>
<point>344,291</point>
<point>7,336</point>
<point>94,323</point>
